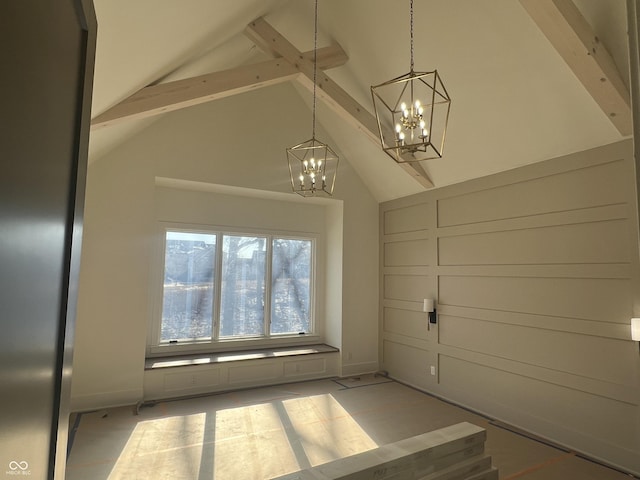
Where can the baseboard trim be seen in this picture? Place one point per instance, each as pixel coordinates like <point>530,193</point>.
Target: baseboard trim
<point>359,368</point>
<point>98,401</point>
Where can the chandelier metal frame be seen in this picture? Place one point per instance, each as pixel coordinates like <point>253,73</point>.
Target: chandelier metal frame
<point>412,113</point>
<point>313,165</point>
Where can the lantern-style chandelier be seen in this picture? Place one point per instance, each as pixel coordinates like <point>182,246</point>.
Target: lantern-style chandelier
<point>313,164</point>
<point>412,112</point>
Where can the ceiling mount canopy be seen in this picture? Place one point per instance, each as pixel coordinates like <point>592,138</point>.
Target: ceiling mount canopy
<point>412,112</point>
<point>313,164</point>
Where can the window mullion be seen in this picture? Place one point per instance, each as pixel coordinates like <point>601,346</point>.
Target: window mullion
<point>215,334</point>
<point>267,287</point>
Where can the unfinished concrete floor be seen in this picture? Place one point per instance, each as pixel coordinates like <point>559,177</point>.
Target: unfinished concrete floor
<point>266,432</point>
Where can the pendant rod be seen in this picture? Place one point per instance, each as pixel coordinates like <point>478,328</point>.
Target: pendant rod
<point>315,67</point>
<point>411,31</point>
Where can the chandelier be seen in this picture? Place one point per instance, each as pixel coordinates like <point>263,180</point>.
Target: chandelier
<point>412,112</point>
<point>313,164</point>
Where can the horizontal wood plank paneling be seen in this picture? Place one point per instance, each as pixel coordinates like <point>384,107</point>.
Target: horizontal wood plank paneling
<point>405,322</point>
<point>406,253</point>
<point>584,188</point>
<point>620,211</point>
<point>408,219</point>
<point>406,287</point>
<point>598,242</point>
<point>604,419</point>
<point>619,331</point>
<point>622,271</point>
<point>593,357</point>
<point>606,389</point>
<point>397,356</point>
<point>599,299</point>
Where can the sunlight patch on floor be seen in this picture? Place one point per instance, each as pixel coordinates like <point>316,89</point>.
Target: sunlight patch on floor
<point>256,441</point>
<point>326,430</point>
<point>268,432</point>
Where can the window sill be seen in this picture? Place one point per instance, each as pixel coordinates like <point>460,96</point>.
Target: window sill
<point>223,357</point>
<point>183,350</point>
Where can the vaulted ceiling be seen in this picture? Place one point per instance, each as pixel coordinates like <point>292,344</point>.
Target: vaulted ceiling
<point>518,97</point>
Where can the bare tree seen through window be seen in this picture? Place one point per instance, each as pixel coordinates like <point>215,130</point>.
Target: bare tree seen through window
<point>189,290</point>
<point>290,286</point>
<point>187,303</point>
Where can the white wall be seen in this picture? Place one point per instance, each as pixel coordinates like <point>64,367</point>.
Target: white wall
<point>210,144</point>
<point>535,272</point>
<point>114,274</point>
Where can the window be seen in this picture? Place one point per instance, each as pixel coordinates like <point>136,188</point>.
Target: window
<point>222,287</point>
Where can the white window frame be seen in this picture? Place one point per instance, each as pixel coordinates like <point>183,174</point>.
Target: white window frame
<point>156,348</point>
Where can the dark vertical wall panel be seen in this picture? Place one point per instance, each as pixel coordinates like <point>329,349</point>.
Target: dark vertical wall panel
<point>46,55</point>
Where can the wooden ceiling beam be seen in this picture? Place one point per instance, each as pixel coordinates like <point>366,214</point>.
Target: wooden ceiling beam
<point>165,97</point>
<point>270,40</point>
<point>574,39</point>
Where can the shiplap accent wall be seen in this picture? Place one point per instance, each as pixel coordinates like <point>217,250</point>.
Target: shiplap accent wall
<point>535,273</point>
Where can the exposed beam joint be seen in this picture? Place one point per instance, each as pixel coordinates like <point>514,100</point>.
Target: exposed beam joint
<point>270,40</point>
<point>574,39</point>
<point>165,97</point>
